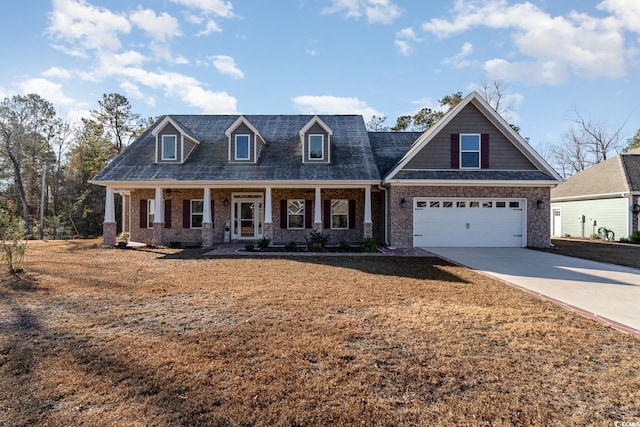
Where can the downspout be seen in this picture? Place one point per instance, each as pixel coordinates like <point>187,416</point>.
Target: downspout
<point>386,215</point>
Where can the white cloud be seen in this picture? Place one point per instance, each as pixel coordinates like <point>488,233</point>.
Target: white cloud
<point>227,65</point>
<point>404,39</point>
<point>212,27</point>
<point>627,12</point>
<point>214,7</point>
<point>376,11</point>
<point>86,26</point>
<point>56,72</point>
<point>558,46</point>
<point>48,90</point>
<point>327,104</point>
<point>160,27</point>
<point>206,10</point>
<point>459,60</point>
<point>132,90</point>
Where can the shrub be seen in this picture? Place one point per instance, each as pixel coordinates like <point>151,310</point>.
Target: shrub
<point>249,247</point>
<point>635,237</point>
<point>317,240</point>
<point>291,246</point>
<point>369,245</point>
<point>343,246</point>
<point>12,241</point>
<point>264,243</point>
<point>174,245</point>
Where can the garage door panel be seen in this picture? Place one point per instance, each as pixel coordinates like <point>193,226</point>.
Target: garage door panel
<point>472,223</point>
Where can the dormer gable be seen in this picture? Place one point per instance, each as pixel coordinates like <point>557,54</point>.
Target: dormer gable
<point>245,141</point>
<point>174,142</point>
<point>315,138</point>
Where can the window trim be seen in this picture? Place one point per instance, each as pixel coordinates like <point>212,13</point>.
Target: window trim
<point>463,151</point>
<point>235,139</point>
<point>192,213</point>
<point>302,214</point>
<point>346,215</point>
<point>175,146</point>
<point>309,136</point>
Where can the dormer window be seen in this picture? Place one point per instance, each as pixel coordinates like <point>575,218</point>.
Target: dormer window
<point>243,147</point>
<point>169,147</point>
<point>245,142</point>
<point>174,142</point>
<point>315,138</point>
<point>316,147</point>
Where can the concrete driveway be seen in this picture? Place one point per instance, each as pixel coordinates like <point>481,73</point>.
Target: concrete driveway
<point>605,291</point>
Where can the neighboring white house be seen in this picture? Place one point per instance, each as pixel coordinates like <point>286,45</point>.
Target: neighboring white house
<point>604,195</point>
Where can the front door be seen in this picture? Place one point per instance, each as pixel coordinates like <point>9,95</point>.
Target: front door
<point>557,223</point>
<point>247,216</point>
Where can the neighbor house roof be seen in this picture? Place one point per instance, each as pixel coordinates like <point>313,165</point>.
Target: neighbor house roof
<point>618,175</point>
<point>280,160</point>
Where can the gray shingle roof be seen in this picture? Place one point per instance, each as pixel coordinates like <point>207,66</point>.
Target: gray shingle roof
<point>280,159</point>
<point>616,175</point>
<point>389,147</point>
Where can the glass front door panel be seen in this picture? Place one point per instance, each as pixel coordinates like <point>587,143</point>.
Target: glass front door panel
<point>247,216</point>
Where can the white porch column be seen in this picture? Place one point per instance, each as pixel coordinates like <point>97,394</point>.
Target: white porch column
<point>268,215</point>
<point>158,218</point>
<point>368,226</point>
<point>159,207</point>
<point>206,206</point>
<point>109,225</point>
<point>109,210</point>
<point>267,223</point>
<point>367,204</point>
<point>207,219</point>
<point>317,214</point>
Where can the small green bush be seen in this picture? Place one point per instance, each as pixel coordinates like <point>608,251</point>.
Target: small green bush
<point>249,247</point>
<point>343,246</point>
<point>317,240</point>
<point>635,237</point>
<point>291,246</point>
<point>174,245</point>
<point>264,243</point>
<point>369,245</point>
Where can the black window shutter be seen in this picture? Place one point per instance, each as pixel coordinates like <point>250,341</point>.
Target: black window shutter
<point>213,204</point>
<point>186,214</point>
<point>308,214</point>
<point>484,151</point>
<point>283,214</point>
<point>144,216</point>
<point>326,217</point>
<point>455,151</point>
<point>352,214</point>
<point>167,214</point>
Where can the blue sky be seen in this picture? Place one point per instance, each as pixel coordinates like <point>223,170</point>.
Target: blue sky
<point>383,57</point>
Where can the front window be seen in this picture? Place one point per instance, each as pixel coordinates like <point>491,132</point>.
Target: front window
<point>339,214</point>
<point>169,147</point>
<point>197,213</point>
<point>295,214</point>
<point>316,147</point>
<point>470,151</point>
<point>151,212</point>
<point>242,147</point>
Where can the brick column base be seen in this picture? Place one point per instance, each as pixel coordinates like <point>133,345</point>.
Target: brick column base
<point>267,230</point>
<point>157,234</point>
<point>317,226</point>
<point>109,233</point>
<point>368,230</point>
<point>207,234</point>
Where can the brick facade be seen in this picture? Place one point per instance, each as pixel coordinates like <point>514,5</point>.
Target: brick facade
<point>208,235</point>
<point>401,218</point>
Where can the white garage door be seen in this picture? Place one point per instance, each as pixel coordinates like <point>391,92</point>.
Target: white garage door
<point>468,222</point>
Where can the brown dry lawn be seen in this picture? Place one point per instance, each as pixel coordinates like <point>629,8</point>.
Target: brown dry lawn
<point>107,337</point>
<point>614,253</point>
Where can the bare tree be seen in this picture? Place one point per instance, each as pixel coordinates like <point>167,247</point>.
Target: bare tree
<point>495,93</point>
